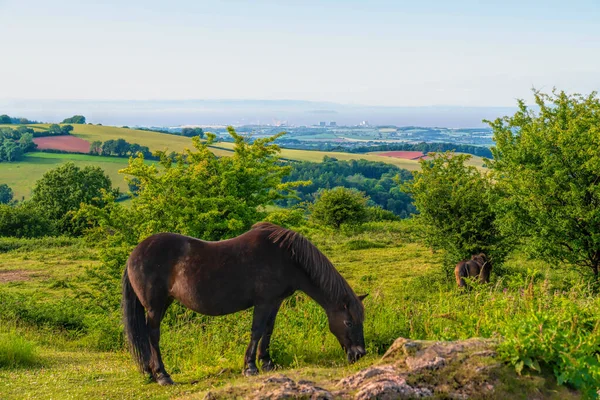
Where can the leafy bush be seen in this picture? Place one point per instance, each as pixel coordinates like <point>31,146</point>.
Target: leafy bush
<point>286,217</point>
<point>379,214</point>
<point>339,206</point>
<point>24,221</point>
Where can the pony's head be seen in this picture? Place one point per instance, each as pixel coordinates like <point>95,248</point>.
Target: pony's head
<point>346,323</point>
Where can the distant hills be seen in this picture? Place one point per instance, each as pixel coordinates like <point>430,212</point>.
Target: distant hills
<point>243,112</point>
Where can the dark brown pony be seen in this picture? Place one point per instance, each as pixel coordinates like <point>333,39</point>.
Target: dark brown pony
<point>259,269</point>
<point>478,266</point>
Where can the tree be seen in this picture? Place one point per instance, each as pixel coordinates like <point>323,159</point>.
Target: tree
<point>26,142</point>
<point>62,190</point>
<point>339,206</point>
<point>547,164</point>
<point>66,129</point>
<point>54,129</point>
<point>191,132</point>
<point>455,204</point>
<point>6,194</point>
<point>76,119</point>
<point>10,151</point>
<point>5,119</point>
<point>200,194</point>
<point>96,147</point>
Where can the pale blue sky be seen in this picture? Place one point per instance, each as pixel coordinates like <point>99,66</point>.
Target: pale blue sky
<point>399,53</point>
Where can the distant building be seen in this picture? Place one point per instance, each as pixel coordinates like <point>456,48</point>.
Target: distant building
<point>322,123</point>
<point>364,123</point>
<point>332,123</point>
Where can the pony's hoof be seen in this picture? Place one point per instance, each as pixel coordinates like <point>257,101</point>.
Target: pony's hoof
<point>251,371</point>
<point>267,366</point>
<point>164,380</point>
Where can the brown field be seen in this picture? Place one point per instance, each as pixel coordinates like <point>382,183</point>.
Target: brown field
<point>65,143</point>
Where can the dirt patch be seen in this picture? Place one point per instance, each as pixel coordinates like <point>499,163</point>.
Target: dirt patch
<point>64,143</point>
<point>14,276</point>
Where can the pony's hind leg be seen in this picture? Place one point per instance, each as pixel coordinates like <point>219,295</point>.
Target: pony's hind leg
<point>259,325</point>
<point>157,368</point>
<point>266,364</point>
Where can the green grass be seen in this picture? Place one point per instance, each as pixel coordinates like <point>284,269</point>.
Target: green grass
<point>15,351</point>
<point>21,175</point>
<point>409,296</point>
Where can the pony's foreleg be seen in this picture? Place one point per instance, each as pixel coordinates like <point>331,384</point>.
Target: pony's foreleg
<point>266,364</point>
<point>259,324</point>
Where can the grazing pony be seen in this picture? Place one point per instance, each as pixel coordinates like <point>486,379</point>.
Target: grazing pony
<point>259,269</point>
<point>478,266</point>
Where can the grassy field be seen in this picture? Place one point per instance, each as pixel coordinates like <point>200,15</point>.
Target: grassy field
<point>317,156</point>
<point>75,351</point>
<point>21,175</point>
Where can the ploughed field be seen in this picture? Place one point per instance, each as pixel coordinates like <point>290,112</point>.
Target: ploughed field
<point>58,341</point>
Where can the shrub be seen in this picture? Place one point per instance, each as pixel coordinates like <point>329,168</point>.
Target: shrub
<point>24,221</point>
<point>339,206</point>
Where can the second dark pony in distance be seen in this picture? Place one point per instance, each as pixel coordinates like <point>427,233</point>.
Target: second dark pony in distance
<point>478,266</point>
<point>259,269</point>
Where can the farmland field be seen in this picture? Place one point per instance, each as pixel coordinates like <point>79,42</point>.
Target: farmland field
<point>21,175</point>
<point>65,143</point>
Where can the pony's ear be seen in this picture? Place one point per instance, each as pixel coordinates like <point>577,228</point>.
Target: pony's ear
<point>362,297</point>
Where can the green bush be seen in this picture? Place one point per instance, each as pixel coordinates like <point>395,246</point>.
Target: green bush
<point>24,221</point>
<point>338,206</point>
<point>377,214</point>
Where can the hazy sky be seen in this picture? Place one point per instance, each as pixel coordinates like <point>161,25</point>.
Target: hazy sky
<point>401,53</point>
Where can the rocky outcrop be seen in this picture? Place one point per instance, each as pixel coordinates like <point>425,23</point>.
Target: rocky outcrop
<point>415,369</point>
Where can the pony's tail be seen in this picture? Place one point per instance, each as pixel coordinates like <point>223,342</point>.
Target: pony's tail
<point>136,329</point>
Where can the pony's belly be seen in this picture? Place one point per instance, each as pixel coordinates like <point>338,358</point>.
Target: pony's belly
<point>212,300</point>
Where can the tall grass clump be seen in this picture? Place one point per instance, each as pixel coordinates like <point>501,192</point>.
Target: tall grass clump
<point>15,351</point>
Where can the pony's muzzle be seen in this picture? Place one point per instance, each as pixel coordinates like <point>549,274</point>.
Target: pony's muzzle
<point>355,353</point>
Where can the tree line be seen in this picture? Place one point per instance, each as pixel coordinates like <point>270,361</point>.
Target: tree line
<point>377,180</point>
<point>427,148</point>
<point>187,132</point>
<point>119,148</point>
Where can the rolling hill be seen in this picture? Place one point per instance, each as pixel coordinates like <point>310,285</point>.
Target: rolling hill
<point>20,176</point>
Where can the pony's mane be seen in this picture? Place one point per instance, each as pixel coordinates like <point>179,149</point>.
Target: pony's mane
<point>319,269</point>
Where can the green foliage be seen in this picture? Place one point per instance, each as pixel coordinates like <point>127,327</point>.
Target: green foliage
<point>61,192</point>
<point>547,166</point>
<point>6,194</point>
<point>119,148</point>
<point>24,221</point>
<point>455,203</point>
<point>377,180</point>
<point>559,332</point>
<point>200,194</point>
<point>287,218</point>
<point>76,119</point>
<point>5,119</point>
<point>191,132</point>
<point>375,213</point>
<point>339,206</point>
<point>57,130</point>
